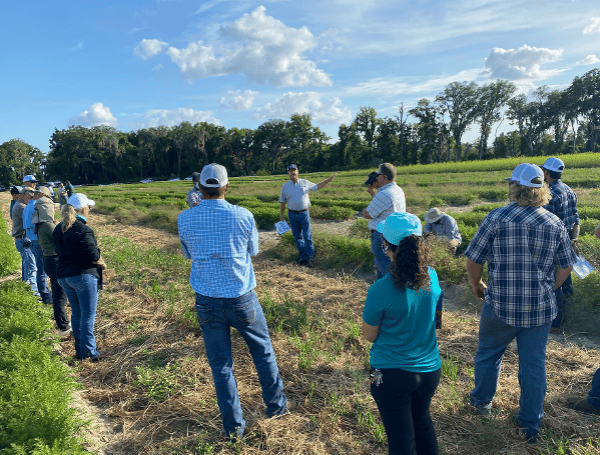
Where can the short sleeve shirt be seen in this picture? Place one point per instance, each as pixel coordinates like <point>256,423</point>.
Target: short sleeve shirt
<point>193,197</point>
<point>295,195</point>
<point>406,321</point>
<point>389,199</point>
<point>522,245</point>
<point>563,204</point>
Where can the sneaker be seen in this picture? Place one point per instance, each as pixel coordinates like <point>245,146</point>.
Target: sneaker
<point>67,332</point>
<point>583,405</point>
<point>482,410</point>
<point>308,263</point>
<point>302,262</point>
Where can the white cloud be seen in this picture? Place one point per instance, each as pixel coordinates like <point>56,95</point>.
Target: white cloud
<point>594,27</point>
<point>78,47</point>
<point>330,111</point>
<point>156,117</point>
<point>259,46</point>
<point>388,87</point>
<point>589,60</point>
<point>98,114</point>
<point>149,48</point>
<point>523,63</point>
<point>239,101</point>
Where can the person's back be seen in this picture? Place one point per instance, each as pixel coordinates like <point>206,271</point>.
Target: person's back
<point>399,319</point>
<point>525,242</point>
<point>220,238</point>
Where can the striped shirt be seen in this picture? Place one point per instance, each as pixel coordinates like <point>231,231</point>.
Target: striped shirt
<point>389,199</point>
<point>563,204</point>
<point>295,195</point>
<point>522,245</point>
<point>219,238</point>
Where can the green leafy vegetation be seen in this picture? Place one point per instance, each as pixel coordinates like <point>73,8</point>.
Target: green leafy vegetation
<point>35,386</point>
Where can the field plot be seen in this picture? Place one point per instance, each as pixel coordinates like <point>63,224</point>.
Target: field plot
<point>155,394</point>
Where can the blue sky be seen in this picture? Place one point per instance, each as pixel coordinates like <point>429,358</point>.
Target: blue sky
<point>135,64</point>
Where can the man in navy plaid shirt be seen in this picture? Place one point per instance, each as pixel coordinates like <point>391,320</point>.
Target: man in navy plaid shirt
<point>522,244</point>
<point>564,205</point>
<point>220,239</point>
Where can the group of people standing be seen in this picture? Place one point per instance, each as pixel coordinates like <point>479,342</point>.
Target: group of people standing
<point>66,253</point>
<point>529,246</point>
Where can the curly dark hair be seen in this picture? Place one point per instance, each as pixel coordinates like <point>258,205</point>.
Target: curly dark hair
<point>409,268</point>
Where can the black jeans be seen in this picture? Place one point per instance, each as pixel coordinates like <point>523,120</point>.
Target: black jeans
<point>59,297</point>
<point>403,399</point>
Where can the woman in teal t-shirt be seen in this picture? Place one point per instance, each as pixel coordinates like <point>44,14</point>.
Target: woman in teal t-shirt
<point>399,318</point>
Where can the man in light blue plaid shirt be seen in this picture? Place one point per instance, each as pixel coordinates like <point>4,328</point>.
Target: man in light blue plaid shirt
<point>220,239</point>
<point>521,243</point>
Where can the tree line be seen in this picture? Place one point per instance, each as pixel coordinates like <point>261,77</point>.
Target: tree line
<point>550,122</point>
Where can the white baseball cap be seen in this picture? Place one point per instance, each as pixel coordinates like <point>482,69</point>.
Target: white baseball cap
<point>554,165</point>
<point>217,175</point>
<point>80,200</point>
<point>525,174</point>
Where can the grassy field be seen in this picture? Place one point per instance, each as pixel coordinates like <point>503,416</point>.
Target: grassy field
<point>155,391</point>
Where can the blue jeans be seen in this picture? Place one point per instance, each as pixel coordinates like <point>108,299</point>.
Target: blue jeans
<point>300,224</point>
<point>59,297</point>
<point>382,261</point>
<point>27,264</point>
<point>216,316</point>
<point>41,278</point>
<point>82,291</point>
<point>403,399</point>
<point>594,395</point>
<point>494,337</point>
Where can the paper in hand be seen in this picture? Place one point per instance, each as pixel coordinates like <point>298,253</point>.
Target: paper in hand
<point>282,227</point>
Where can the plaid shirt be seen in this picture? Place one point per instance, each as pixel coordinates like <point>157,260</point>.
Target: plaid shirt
<point>194,196</point>
<point>219,238</point>
<point>389,199</point>
<point>521,246</point>
<point>563,204</point>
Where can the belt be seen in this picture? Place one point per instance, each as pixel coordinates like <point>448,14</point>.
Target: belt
<point>297,211</point>
<point>19,237</point>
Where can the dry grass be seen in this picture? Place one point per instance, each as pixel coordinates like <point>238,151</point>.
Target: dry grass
<point>324,369</point>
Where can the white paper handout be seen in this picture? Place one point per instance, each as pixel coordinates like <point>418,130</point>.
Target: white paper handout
<point>582,268</point>
<point>282,227</point>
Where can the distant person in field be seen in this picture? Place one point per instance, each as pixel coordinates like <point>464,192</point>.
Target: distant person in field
<point>220,239</point>
<point>36,249</point>
<point>294,194</point>
<point>399,319</point>
<point>522,244</point>
<point>194,196</point>
<point>564,205</point>
<point>43,220</point>
<point>69,189</point>
<point>79,272</point>
<point>591,403</point>
<point>388,199</point>
<point>15,192</point>
<point>62,194</point>
<point>22,243</point>
<point>443,225</point>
